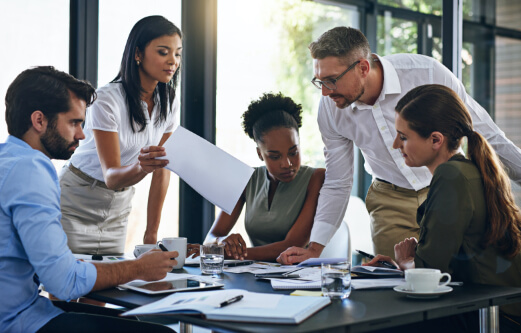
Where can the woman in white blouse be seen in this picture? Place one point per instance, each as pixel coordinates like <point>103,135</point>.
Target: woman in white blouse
<point>125,128</point>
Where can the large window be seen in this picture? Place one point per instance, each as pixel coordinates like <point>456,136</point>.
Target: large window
<point>29,38</point>
<point>43,42</point>
<point>508,92</point>
<point>116,19</point>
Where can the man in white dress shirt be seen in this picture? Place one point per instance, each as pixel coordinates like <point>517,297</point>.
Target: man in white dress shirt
<point>360,91</point>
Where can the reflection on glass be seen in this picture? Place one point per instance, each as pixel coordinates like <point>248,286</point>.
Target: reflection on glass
<point>472,10</point>
<point>422,6</point>
<point>508,92</point>
<point>467,69</point>
<point>396,35</point>
<point>508,14</point>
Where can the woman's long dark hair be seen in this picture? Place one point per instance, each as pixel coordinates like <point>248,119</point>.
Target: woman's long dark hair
<point>434,107</point>
<point>144,31</point>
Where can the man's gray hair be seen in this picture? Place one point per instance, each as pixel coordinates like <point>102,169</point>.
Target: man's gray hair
<point>346,43</point>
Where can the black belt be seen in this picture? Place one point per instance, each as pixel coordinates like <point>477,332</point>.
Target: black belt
<point>383,181</point>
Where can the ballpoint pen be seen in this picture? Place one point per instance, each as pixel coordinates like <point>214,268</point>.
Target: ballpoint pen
<point>383,263</point>
<point>231,300</point>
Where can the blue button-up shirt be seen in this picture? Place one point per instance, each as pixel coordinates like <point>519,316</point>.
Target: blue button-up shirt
<point>33,242</point>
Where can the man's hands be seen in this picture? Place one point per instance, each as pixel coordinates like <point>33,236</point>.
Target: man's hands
<point>294,254</point>
<point>153,265</point>
<point>147,158</point>
<point>150,266</point>
<point>234,246</point>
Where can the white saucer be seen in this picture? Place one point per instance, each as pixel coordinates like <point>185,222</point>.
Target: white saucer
<point>414,294</point>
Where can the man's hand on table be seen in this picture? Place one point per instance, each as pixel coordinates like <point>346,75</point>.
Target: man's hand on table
<point>154,264</point>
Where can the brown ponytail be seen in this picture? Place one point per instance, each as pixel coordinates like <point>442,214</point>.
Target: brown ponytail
<point>434,107</point>
<point>504,229</point>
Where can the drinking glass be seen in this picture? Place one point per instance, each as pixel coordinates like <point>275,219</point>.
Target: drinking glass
<point>336,279</point>
<point>212,259</point>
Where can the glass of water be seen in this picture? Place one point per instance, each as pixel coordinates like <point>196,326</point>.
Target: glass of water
<point>212,259</point>
<point>336,279</point>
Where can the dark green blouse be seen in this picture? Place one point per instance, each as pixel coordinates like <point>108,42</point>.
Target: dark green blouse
<point>452,224</point>
<point>269,225</point>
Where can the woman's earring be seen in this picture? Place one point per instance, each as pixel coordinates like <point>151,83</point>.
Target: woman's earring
<point>138,62</point>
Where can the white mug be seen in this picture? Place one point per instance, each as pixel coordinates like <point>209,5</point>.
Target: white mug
<point>176,244</point>
<point>425,280</point>
<point>142,248</point>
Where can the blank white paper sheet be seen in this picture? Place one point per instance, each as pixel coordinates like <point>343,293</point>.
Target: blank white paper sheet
<point>216,175</point>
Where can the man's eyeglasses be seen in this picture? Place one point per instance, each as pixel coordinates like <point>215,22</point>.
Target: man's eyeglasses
<point>331,84</point>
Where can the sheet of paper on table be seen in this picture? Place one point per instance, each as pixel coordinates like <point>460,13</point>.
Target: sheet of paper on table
<point>358,284</point>
<point>216,175</point>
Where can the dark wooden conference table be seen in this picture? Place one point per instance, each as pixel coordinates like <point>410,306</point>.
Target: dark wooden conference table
<point>363,311</point>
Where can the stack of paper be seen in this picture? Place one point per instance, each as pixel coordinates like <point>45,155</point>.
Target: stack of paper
<point>357,284</point>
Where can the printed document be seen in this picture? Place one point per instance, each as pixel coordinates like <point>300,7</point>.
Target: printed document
<point>216,175</point>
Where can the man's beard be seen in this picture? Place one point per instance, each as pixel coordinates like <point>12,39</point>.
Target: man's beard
<point>55,144</point>
<point>348,101</point>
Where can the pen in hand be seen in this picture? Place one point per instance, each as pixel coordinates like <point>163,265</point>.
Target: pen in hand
<point>163,248</point>
<point>383,263</point>
<point>231,300</point>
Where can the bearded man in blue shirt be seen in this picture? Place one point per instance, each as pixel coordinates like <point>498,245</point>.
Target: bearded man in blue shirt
<point>44,112</point>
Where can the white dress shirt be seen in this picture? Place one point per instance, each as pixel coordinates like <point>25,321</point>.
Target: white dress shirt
<point>371,128</point>
<point>110,113</point>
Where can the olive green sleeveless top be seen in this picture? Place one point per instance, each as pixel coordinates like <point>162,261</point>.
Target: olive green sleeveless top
<point>268,225</point>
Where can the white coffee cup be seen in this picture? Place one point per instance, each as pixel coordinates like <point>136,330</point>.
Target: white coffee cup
<point>176,244</point>
<point>425,280</point>
<point>142,248</point>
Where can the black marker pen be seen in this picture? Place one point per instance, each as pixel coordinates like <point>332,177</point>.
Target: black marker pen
<point>164,249</point>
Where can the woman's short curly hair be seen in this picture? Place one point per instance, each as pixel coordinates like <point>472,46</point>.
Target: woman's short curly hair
<point>271,111</point>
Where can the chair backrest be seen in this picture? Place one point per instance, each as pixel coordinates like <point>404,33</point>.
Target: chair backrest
<point>353,233</point>
<point>340,244</point>
<point>359,224</point>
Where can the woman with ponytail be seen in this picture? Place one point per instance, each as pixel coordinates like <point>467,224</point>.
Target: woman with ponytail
<point>281,196</point>
<point>469,224</point>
